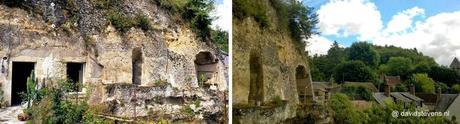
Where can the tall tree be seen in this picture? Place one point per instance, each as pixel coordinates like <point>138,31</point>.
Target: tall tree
<point>302,20</point>
<point>365,52</point>
<point>354,71</point>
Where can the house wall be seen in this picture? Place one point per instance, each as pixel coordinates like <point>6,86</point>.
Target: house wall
<point>454,109</point>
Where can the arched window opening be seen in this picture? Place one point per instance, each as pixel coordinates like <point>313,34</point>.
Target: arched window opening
<point>137,61</point>
<point>206,69</point>
<point>256,93</point>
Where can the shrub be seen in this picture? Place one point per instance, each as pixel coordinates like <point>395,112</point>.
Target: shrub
<point>423,83</point>
<point>201,79</point>
<point>277,100</point>
<point>358,92</point>
<point>143,22</point>
<point>173,5</point>
<point>456,88</point>
<point>187,110</point>
<point>197,12</point>
<point>345,113</point>
<point>51,107</point>
<point>119,21</point>
<point>255,8</point>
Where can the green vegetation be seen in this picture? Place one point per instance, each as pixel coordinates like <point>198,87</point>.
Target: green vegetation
<point>364,62</point>
<point>187,110</point>
<point>357,92</point>
<point>291,17</point>
<point>124,23</point>
<point>302,21</point>
<point>397,66</point>
<point>456,88</point>
<point>255,8</point>
<point>50,105</point>
<point>423,83</point>
<point>161,83</point>
<point>173,5</point>
<point>195,12</point>
<point>364,52</point>
<point>220,37</point>
<point>346,113</point>
<point>201,79</point>
<point>115,15</point>
<point>444,74</point>
<point>355,71</point>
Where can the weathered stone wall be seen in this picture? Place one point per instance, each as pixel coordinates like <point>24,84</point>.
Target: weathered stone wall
<point>167,51</point>
<point>279,58</point>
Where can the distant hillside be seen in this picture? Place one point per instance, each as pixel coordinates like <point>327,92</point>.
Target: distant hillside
<point>389,60</point>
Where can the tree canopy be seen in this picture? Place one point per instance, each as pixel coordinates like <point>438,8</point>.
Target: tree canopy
<point>365,52</point>
<point>354,71</point>
<point>423,83</point>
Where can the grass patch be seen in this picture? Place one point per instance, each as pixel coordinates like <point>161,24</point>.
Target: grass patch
<point>187,110</point>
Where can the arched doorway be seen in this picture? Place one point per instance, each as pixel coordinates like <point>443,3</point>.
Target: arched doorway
<point>301,77</point>
<point>206,68</point>
<point>256,93</point>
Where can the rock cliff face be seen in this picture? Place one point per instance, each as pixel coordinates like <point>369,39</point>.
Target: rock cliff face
<point>161,63</point>
<point>271,77</point>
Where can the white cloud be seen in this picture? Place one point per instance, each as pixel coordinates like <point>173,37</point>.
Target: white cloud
<point>318,45</point>
<point>223,12</point>
<point>437,36</point>
<point>350,17</point>
<point>403,20</point>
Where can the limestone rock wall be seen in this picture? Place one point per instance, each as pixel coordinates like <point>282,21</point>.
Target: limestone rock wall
<point>167,51</point>
<point>269,57</point>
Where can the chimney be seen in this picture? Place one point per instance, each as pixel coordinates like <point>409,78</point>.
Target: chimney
<point>412,89</point>
<point>387,90</point>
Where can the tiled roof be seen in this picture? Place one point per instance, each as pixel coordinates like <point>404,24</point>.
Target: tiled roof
<point>399,96</point>
<point>445,101</point>
<point>410,96</point>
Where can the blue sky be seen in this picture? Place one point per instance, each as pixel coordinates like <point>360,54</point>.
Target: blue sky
<point>389,8</point>
<point>431,26</point>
